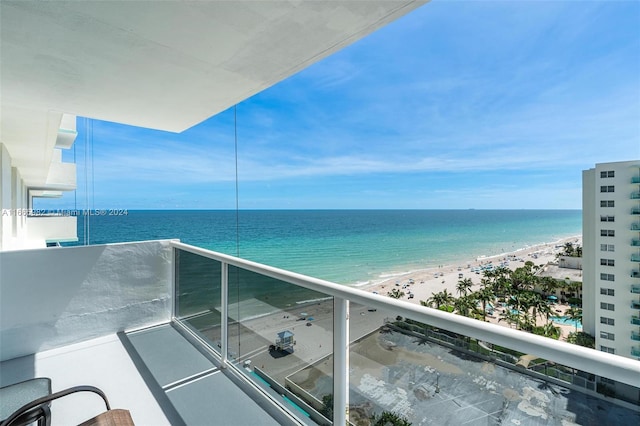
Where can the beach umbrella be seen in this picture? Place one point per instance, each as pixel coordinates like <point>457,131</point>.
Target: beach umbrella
<point>552,297</point>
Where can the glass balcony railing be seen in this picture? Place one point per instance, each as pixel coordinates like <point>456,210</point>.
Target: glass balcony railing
<point>635,210</point>
<point>635,195</point>
<point>635,351</point>
<point>635,226</point>
<point>635,179</point>
<point>635,305</point>
<point>635,257</point>
<point>635,289</point>
<point>635,320</point>
<point>635,242</point>
<point>333,353</point>
<point>635,274</point>
<point>635,335</point>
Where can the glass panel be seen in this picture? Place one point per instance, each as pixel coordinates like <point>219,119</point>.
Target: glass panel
<point>282,337</point>
<point>425,375</point>
<point>198,284</point>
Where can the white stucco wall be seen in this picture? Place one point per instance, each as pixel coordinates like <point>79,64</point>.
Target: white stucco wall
<point>58,296</point>
<point>5,196</point>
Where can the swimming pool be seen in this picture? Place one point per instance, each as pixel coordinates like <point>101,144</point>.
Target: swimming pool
<point>566,321</point>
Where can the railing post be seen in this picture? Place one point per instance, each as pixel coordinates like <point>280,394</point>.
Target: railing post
<point>340,361</point>
<point>224,317</point>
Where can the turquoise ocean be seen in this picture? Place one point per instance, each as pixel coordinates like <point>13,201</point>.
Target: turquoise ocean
<point>351,247</point>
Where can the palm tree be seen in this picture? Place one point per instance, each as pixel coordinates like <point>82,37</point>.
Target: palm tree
<point>550,330</point>
<point>484,296</point>
<point>464,286</point>
<point>574,314</point>
<point>510,317</point>
<point>540,306</point>
<point>465,305</point>
<point>548,285</point>
<point>439,299</point>
<point>395,293</point>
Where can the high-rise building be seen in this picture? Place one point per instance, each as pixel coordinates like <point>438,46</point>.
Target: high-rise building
<point>611,265</point>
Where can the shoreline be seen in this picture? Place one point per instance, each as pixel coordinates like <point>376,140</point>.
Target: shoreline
<point>423,283</point>
<point>385,277</point>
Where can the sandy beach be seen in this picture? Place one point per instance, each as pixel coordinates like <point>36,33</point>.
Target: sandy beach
<point>422,284</point>
<point>312,323</point>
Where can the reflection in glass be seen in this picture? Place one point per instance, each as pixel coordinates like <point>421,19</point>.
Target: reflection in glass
<point>282,336</point>
<point>198,283</point>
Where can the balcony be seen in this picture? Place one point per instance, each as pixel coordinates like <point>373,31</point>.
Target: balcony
<point>635,289</point>
<point>635,304</point>
<point>635,242</point>
<point>635,320</point>
<point>635,195</point>
<point>635,179</point>
<point>635,274</point>
<point>62,176</point>
<point>635,351</point>
<point>52,228</point>
<point>206,338</point>
<point>635,210</point>
<point>635,226</point>
<point>635,336</point>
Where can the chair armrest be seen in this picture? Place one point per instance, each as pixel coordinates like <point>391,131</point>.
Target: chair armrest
<point>45,399</point>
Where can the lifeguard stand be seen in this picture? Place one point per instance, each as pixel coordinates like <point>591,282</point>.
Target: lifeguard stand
<point>285,341</point>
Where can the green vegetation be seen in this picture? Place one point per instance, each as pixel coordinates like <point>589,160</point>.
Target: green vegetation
<point>388,418</point>
<point>522,291</point>
<point>570,250</point>
<point>395,293</point>
<point>583,339</point>
<point>327,406</point>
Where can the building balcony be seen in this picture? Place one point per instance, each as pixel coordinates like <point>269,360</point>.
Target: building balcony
<point>53,228</point>
<point>635,242</point>
<point>635,289</point>
<point>635,210</point>
<point>635,320</point>
<point>635,336</point>
<point>635,274</point>
<point>635,179</point>
<point>635,195</point>
<point>635,351</point>
<point>181,335</point>
<point>67,133</point>
<point>62,176</point>
<point>635,257</point>
<point>635,226</point>
<point>635,304</point>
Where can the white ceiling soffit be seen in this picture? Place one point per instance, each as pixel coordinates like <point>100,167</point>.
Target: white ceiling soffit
<point>166,64</point>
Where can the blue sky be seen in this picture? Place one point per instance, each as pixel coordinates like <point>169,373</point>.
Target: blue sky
<point>456,105</point>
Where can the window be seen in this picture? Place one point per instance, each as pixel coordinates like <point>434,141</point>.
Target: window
<point>607,188</point>
<point>607,247</point>
<point>607,218</point>
<point>607,291</point>
<point>607,381</point>
<point>608,174</point>
<point>607,277</point>
<point>607,321</point>
<point>607,349</point>
<point>608,336</point>
<point>607,262</point>
<point>607,233</point>
<point>607,306</point>
<point>607,203</point>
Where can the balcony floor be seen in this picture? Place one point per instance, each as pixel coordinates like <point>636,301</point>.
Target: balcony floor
<point>157,374</point>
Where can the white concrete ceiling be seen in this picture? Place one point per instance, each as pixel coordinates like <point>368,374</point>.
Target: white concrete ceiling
<point>158,64</point>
